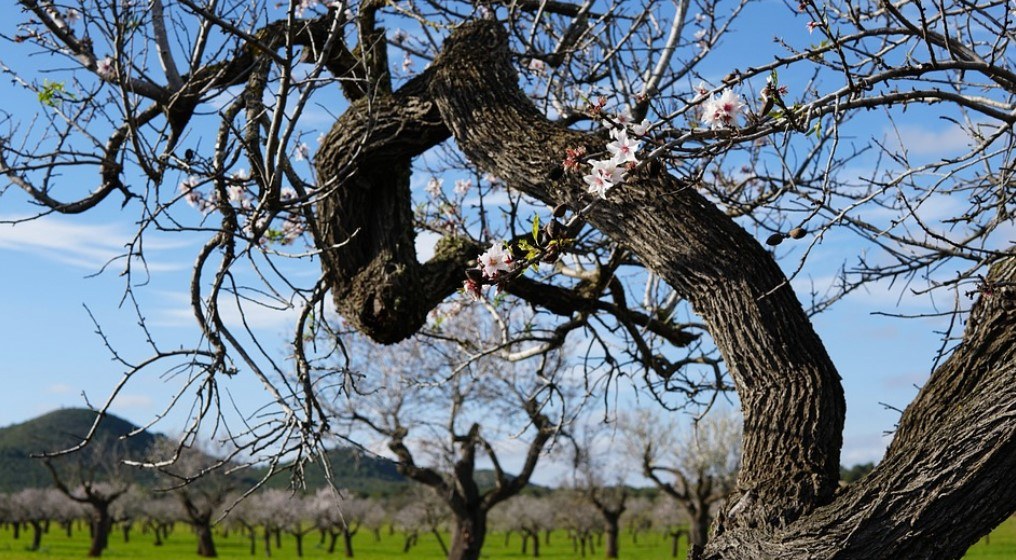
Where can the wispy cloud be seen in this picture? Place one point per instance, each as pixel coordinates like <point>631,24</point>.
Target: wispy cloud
<point>925,141</point>
<point>87,246</point>
<point>60,389</point>
<point>271,315</point>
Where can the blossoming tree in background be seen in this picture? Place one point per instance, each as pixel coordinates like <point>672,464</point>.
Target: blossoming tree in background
<point>658,257</point>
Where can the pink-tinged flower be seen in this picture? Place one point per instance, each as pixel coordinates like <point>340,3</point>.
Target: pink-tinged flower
<point>72,16</point>
<point>462,186</point>
<point>236,193</point>
<point>287,195</point>
<point>812,25</point>
<point>399,36</point>
<point>537,66</point>
<point>573,158</point>
<point>241,175</point>
<point>305,5</point>
<point>407,64</point>
<point>302,152</point>
<point>495,260</point>
<point>622,118</point>
<point>603,176</point>
<point>472,289</point>
<point>622,149</point>
<point>192,196</point>
<point>701,89</point>
<point>433,187</point>
<point>722,112</point>
<point>640,129</point>
<point>104,68</point>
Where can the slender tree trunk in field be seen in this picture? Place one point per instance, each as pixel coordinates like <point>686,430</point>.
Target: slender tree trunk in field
<point>101,526</point>
<point>468,536</point>
<point>440,541</point>
<point>36,535</point>
<point>347,541</point>
<point>206,543</point>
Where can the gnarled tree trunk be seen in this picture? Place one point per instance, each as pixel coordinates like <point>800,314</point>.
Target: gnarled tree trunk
<point>955,442</point>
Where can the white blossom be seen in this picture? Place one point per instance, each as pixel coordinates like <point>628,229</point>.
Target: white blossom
<point>495,260</point>
<point>640,129</point>
<point>104,67</point>
<point>622,149</point>
<point>433,187</point>
<point>603,176</point>
<point>302,152</point>
<point>462,186</point>
<point>722,111</point>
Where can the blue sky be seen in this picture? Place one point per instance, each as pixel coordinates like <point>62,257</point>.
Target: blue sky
<point>52,356</point>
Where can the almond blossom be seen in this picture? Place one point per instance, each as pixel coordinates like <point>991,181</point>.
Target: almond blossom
<point>640,129</point>
<point>104,67</point>
<point>603,176</point>
<point>433,187</point>
<point>722,112</point>
<point>302,152</point>
<point>623,149</point>
<point>495,260</point>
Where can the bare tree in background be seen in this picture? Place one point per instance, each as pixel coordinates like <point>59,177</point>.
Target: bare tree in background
<point>201,483</point>
<point>441,407</point>
<point>696,467</point>
<point>167,104</point>
<point>96,479</point>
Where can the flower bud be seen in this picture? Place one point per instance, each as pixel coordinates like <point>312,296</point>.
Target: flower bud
<point>774,239</point>
<point>797,233</point>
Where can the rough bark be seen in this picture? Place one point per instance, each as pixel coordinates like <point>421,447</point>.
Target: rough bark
<point>779,365</point>
<point>206,543</point>
<point>955,445</point>
<point>367,237</point>
<point>955,442</point>
<point>102,523</point>
<point>468,536</point>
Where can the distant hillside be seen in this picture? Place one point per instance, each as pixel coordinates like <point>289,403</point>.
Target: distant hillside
<point>58,430</point>
<point>354,470</point>
<point>351,468</point>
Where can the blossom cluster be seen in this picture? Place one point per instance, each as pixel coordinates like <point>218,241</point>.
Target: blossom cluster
<point>240,197</point>
<point>721,111</point>
<point>494,264</point>
<point>606,173</point>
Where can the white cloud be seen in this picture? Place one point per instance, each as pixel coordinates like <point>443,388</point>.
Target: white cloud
<point>919,140</point>
<point>88,246</point>
<point>864,448</point>
<point>265,315</point>
<point>60,389</point>
<point>425,242</point>
<point>129,401</point>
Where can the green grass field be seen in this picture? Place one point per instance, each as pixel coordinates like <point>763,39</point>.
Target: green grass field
<point>181,545</point>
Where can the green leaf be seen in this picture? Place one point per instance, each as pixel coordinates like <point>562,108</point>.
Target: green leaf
<point>536,229</point>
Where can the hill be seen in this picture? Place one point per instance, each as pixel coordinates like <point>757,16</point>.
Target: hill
<point>353,470</point>
<point>58,430</point>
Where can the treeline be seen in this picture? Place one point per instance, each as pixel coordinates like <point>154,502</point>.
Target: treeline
<point>337,521</point>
